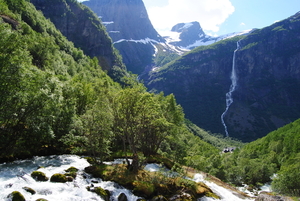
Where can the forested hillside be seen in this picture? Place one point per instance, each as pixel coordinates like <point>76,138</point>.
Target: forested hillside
<point>275,156</point>
<point>45,82</point>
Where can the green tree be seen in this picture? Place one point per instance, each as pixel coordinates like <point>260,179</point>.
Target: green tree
<point>143,121</point>
<point>287,179</point>
<point>91,132</point>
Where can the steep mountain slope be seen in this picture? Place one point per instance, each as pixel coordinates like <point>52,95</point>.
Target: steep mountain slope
<point>79,24</point>
<point>128,25</point>
<point>45,82</point>
<point>268,78</point>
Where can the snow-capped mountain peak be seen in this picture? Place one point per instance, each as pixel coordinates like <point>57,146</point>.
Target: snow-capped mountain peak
<point>187,36</point>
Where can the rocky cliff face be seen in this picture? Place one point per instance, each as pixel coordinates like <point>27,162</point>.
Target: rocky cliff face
<point>268,70</point>
<point>79,24</point>
<point>129,27</point>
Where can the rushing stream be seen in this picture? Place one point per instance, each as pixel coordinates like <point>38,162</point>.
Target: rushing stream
<point>223,193</point>
<point>229,99</point>
<point>16,175</point>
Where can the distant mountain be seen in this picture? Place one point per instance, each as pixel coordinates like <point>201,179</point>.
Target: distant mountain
<point>190,35</point>
<point>268,79</point>
<point>129,27</point>
<point>140,45</point>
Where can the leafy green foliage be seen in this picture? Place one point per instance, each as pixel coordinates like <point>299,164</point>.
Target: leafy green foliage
<point>287,179</point>
<point>40,74</point>
<point>143,120</point>
<point>91,132</point>
<point>258,161</point>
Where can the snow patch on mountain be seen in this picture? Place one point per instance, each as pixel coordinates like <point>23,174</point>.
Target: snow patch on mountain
<point>208,40</point>
<point>106,23</point>
<point>144,41</point>
<point>186,26</point>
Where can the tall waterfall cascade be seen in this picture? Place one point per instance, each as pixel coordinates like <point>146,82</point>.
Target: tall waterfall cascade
<point>229,99</point>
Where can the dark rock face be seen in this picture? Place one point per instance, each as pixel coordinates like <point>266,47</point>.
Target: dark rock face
<point>268,71</point>
<point>129,27</point>
<point>124,19</point>
<point>79,24</point>
<point>189,33</point>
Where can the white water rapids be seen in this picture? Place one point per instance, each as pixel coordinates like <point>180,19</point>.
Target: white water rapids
<point>16,175</point>
<point>229,99</point>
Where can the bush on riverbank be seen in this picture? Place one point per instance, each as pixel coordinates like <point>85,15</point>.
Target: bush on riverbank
<point>150,184</point>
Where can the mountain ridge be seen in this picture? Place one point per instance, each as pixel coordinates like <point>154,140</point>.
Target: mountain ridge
<point>129,27</point>
<point>267,68</point>
<point>190,35</point>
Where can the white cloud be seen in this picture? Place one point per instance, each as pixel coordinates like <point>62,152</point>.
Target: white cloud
<point>210,13</point>
<point>243,24</point>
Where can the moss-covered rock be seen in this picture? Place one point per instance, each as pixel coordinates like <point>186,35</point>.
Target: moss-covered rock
<point>96,171</point>
<point>72,169</point>
<point>71,172</point>
<point>202,189</point>
<point>16,196</point>
<point>61,178</point>
<point>159,198</point>
<point>39,176</point>
<point>102,193</point>
<point>180,195</point>
<point>29,190</point>
<point>69,178</point>
<point>143,189</point>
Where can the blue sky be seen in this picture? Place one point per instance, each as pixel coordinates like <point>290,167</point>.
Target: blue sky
<point>219,17</point>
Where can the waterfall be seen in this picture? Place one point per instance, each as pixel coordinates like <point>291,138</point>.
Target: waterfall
<point>229,99</point>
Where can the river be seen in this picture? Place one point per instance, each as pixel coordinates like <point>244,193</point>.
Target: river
<point>16,175</point>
